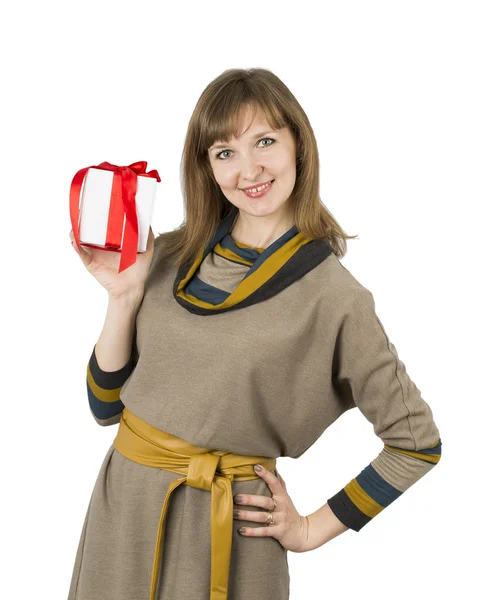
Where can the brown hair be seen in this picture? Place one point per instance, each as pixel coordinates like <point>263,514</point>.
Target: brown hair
<point>215,117</point>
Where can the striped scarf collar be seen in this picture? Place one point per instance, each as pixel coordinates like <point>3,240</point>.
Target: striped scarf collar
<point>267,271</point>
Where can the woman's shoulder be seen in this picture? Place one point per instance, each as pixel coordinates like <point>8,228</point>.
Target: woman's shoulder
<point>160,238</point>
<point>164,240</point>
<point>159,261</point>
<point>338,279</point>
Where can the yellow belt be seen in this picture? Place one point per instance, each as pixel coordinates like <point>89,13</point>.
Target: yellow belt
<point>200,468</point>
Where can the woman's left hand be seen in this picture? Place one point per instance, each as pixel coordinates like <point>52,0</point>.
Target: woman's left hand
<point>289,527</point>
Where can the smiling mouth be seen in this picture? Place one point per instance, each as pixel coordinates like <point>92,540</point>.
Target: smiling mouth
<point>254,187</point>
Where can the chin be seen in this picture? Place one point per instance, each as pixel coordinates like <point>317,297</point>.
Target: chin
<point>262,209</point>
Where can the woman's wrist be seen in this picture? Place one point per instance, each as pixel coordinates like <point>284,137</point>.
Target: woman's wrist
<point>323,526</point>
<point>131,299</point>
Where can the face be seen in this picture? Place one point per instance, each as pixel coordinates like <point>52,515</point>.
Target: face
<point>260,155</point>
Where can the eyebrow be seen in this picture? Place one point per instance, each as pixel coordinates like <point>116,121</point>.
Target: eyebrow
<point>255,135</point>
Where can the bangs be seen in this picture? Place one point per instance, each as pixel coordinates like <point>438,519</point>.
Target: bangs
<point>224,119</point>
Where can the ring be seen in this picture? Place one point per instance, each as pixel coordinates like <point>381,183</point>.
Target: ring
<point>275,504</point>
<point>270,519</point>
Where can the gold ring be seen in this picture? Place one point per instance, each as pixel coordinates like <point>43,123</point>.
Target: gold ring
<point>270,519</point>
<point>275,504</point>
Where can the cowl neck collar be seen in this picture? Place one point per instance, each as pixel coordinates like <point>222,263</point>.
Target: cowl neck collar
<point>270,271</point>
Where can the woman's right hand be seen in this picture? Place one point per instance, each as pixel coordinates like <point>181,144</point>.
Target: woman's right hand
<point>104,266</point>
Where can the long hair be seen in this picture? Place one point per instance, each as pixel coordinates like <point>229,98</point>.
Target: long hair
<point>216,117</point>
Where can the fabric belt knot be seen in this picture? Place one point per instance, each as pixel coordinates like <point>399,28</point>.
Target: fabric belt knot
<point>202,468</point>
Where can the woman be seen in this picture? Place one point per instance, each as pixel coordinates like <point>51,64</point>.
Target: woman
<point>291,342</point>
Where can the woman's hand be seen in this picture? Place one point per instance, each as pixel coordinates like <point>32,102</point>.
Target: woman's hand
<point>289,527</point>
<point>104,265</point>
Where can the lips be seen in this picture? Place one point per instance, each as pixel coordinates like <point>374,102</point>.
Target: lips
<point>253,187</point>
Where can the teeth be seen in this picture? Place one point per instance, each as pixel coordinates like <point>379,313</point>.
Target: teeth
<point>259,188</point>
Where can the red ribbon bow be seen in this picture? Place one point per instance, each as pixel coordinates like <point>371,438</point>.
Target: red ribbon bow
<point>122,202</point>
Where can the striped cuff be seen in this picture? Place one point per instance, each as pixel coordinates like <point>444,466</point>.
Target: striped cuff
<point>103,388</point>
<point>368,494</point>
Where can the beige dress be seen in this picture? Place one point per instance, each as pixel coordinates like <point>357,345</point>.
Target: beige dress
<point>265,379</point>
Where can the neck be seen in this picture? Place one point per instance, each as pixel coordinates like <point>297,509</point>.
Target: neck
<point>260,232</point>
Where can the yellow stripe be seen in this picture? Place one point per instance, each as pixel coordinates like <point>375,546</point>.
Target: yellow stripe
<point>241,245</point>
<point>433,458</point>
<point>251,283</point>
<point>101,393</point>
<point>363,501</point>
<point>227,253</point>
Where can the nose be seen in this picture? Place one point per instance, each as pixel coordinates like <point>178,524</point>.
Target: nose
<point>250,168</point>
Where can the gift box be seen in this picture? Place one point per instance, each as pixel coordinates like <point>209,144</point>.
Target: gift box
<point>111,208</point>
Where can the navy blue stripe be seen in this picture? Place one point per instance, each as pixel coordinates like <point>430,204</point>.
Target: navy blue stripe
<point>271,249</point>
<point>231,259</point>
<point>213,295</point>
<point>301,262</point>
<point>428,451</point>
<point>377,487</point>
<point>246,253</point>
<point>435,450</point>
<point>204,291</point>
<point>103,410</point>
<point>223,231</point>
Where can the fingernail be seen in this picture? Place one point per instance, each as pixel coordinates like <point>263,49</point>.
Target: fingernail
<point>241,530</point>
<point>239,499</point>
<point>236,514</point>
<point>257,468</point>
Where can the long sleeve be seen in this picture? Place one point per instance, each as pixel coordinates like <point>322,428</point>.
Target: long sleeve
<point>103,389</point>
<point>368,373</point>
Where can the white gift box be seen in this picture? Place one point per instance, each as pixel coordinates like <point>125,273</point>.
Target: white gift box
<point>95,205</point>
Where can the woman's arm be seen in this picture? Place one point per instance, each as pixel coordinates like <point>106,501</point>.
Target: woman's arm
<point>323,526</point>
<point>369,374</point>
<point>113,359</point>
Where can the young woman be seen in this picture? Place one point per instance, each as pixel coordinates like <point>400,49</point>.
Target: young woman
<point>236,339</point>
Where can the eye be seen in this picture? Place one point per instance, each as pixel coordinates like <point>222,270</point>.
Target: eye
<point>266,138</point>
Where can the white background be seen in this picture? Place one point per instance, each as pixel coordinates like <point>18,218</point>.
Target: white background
<point>392,90</point>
